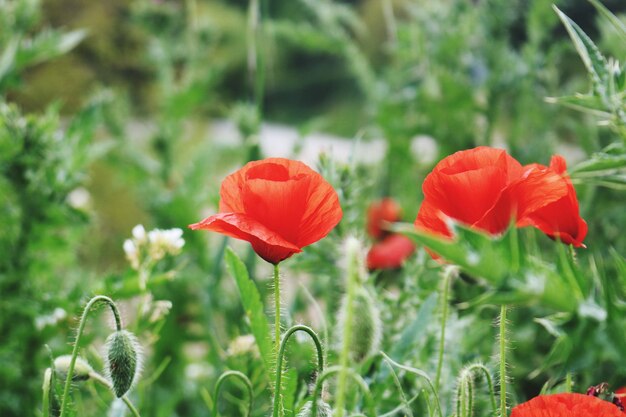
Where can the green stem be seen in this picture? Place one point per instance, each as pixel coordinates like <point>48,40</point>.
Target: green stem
<point>447,278</point>
<point>241,377</point>
<point>79,333</point>
<point>492,396</point>
<point>317,391</point>
<point>276,308</point>
<point>344,358</point>
<point>419,373</point>
<point>281,354</point>
<point>103,381</point>
<point>503,409</point>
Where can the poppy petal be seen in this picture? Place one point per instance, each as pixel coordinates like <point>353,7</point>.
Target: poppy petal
<point>566,405</point>
<point>265,242</point>
<point>390,253</point>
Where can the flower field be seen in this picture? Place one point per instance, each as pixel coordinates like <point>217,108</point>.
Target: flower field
<point>312,208</point>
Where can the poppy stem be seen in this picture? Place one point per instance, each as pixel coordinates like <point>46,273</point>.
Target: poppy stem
<point>503,409</point>
<point>276,308</point>
<point>81,327</point>
<point>447,279</point>
<point>243,378</point>
<point>281,355</point>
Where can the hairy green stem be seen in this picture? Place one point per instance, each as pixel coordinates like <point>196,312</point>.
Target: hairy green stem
<point>81,327</point>
<point>317,391</point>
<point>276,308</point>
<point>344,358</point>
<point>103,381</point>
<point>241,377</point>
<point>447,278</point>
<point>489,379</point>
<point>281,354</point>
<point>503,409</point>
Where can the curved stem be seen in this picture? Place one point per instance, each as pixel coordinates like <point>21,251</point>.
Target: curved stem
<point>241,377</point>
<point>447,278</point>
<point>317,392</point>
<point>281,354</point>
<point>79,333</point>
<point>102,380</point>
<point>503,410</point>
<point>492,396</point>
<point>419,373</point>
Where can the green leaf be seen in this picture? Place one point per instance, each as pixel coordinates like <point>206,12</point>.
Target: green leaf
<point>416,330</point>
<point>582,102</point>
<point>476,253</point>
<point>253,306</point>
<point>589,53</point>
<point>47,45</point>
<point>614,20</point>
<point>612,157</point>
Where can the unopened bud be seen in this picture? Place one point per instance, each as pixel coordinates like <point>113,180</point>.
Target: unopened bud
<point>366,325</point>
<point>82,369</point>
<point>323,409</point>
<point>123,359</point>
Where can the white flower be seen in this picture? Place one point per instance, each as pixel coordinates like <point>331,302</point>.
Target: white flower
<point>164,242</point>
<point>139,234</point>
<point>79,198</point>
<point>132,253</point>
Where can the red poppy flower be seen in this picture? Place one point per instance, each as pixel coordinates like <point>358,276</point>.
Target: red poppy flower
<point>559,218</point>
<point>278,205</point>
<point>566,405</point>
<point>385,210</point>
<point>486,188</point>
<point>390,253</point>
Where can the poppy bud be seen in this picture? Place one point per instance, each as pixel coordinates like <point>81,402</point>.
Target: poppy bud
<point>82,369</point>
<point>323,409</point>
<point>123,360</point>
<point>366,325</point>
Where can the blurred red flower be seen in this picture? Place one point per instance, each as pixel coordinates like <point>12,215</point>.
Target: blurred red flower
<point>390,253</point>
<point>379,212</point>
<point>486,188</point>
<point>276,204</point>
<point>566,405</point>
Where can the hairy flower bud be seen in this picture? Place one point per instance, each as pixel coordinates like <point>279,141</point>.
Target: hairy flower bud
<point>366,325</point>
<point>82,369</point>
<point>323,409</point>
<point>122,360</point>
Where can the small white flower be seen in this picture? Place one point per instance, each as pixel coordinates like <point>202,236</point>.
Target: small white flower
<point>164,242</point>
<point>139,234</point>
<point>79,198</point>
<point>132,253</point>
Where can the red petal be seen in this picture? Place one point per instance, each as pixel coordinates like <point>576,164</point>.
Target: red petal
<point>390,253</point>
<point>266,243</point>
<point>468,184</point>
<point>566,405</point>
<point>551,204</point>
<point>385,210</point>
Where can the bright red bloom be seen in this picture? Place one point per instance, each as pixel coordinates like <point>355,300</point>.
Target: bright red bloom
<point>278,205</point>
<point>559,218</point>
<point>486,188</point>
<point>390,253</point>
<point>566,405</point>
<point>379,212</point>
